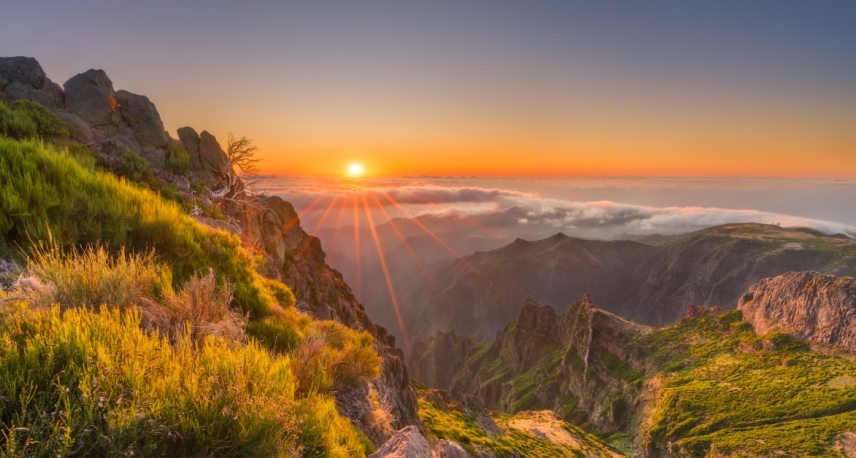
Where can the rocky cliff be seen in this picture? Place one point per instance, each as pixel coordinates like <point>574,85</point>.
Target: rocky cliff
<point>577,364</point>
<point>111,123</point>
<point>819,309</point>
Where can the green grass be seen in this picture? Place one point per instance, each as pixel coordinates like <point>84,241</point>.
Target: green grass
<point>721,387</point>
<point>134,168</point>
<point>45,194</point>
<point>16,124</point>
<point>94,383</point>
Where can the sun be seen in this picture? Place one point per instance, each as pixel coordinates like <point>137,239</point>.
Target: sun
<point>355,170</point>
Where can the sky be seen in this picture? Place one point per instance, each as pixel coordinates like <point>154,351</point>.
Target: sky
<point>661,88</point>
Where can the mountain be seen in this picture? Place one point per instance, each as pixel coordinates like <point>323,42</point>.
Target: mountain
<point>711,385</point>
<point>653,284</point>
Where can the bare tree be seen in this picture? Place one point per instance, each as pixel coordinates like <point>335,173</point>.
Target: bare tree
<point>242,154</point>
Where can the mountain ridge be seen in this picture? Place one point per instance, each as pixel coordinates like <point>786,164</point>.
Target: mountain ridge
<point>654,284</point>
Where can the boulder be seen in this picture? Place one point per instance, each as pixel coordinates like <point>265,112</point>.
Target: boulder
<point>142,117</point>
<point>90,95</point>
<point>212,156</point>
<point>78,128</point>
<point>50,95</point>
<point>24,70</point>
<point>449,449</point>
<point>817,308</point>
<point>405,443</point>
<point>190,140</point>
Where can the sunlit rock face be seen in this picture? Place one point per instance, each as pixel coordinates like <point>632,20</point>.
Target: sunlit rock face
<point>819,309</point>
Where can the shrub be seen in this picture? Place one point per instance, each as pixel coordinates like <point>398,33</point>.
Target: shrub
<point>200,308</point>
<point>92,277</point>
<point>45,194</point>
<point>177,160</point>
<point>282,333</point>
<point>16,124</point>
<point>328,355</point>
<point>48,124</point>
<point>133,167</point>
<point>95,384</point>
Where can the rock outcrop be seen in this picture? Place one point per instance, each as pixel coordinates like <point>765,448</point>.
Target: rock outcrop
<point>20,69</point>
<point>209,162</point>
<point>142,117</point>
<point>406,443</point>
<point>111,122</point>
<point>90,95</point>
<point>819,309</point>
<point>449,449</point>
<point>22,78</point>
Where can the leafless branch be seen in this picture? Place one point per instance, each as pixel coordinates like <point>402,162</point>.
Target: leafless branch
<point>242,154</point>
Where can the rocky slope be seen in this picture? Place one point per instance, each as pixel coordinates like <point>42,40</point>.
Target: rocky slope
<point>460,427</point>
<point>298,260</point>
<point>819,309</point>
<point>111,123</point>
<point>477,295</point>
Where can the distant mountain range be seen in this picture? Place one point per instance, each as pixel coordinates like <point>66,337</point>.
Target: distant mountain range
<point>653,282</point>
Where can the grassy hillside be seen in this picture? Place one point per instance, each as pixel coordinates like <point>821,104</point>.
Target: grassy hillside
<point>46,194</point>
<point>127,332</point>
<point>722,386</point>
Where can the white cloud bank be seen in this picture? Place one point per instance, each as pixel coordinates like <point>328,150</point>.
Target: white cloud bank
<point>528,214</point>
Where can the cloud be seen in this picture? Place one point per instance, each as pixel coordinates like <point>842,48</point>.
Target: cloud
<point>528,214</point>
<point>535,216</point>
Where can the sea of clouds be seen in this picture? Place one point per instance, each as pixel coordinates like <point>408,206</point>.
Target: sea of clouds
<point>537,208</point>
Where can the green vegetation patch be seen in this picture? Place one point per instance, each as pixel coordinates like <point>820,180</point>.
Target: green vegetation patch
<point>725,387</point>
<point>28,119</point>
<point>177,160</point>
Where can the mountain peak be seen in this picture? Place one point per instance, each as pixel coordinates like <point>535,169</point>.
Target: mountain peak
<point>537,318</point>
